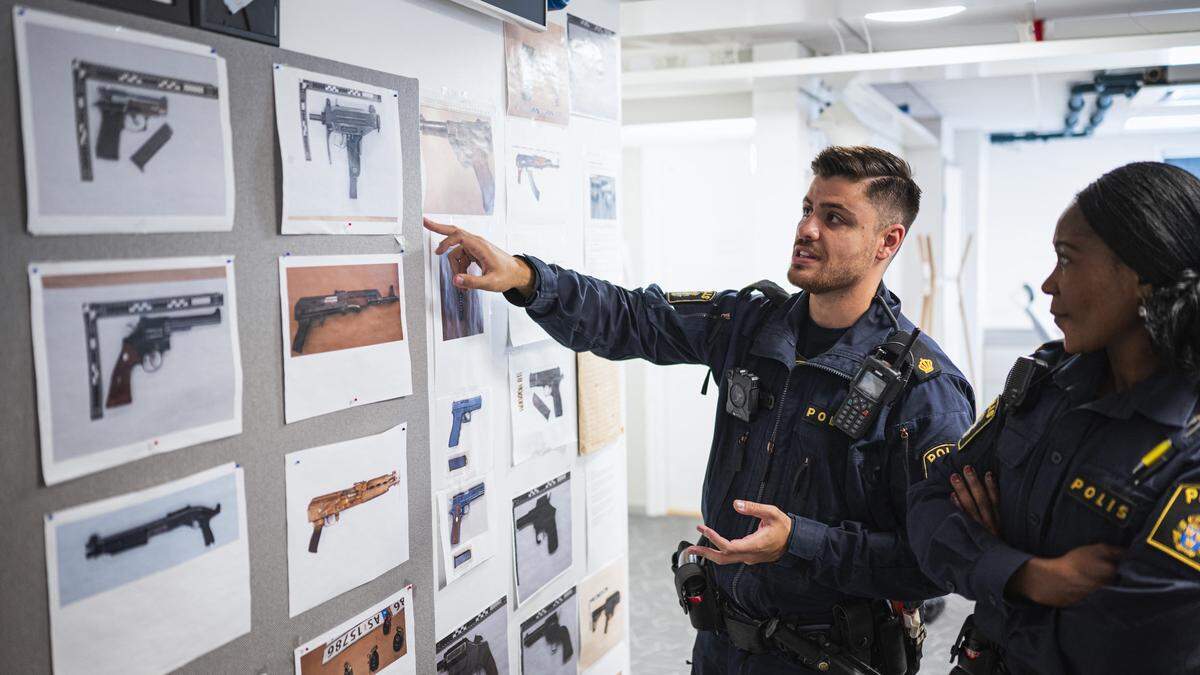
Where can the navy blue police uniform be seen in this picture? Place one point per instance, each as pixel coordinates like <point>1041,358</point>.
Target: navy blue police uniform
<point>846,498</point>
<point>1067,460</point>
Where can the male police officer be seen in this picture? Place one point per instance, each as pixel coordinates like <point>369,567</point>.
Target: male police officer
<point>804,495</point>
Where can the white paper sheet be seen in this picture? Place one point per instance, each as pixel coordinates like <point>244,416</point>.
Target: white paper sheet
<point>539,192</point>
<point>458,159</point>
<point>603,612</point>
<point>350,358</point>
<point>604,243</point>
<point>384,633</point>
<point>550,638</point>
<point>537,77</point>
<point>595,68</point>
<point>322,193</point>
<point>168,168</point>
<point>191,392</point>
<point>365,482</point>
<point>461,319</point>
<point>606,501</point>
<point>541,536</point>
<point>482,640</point>
<point>548,245</point>
<point>156,606</point>
<point>463,433</point>
<point>476,529</point>
<point>541,400</point>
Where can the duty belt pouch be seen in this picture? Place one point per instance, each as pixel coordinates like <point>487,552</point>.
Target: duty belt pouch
<point>696,589</point>
<point>890,648</point>
<point>974,654</point>
<point>854,629</point>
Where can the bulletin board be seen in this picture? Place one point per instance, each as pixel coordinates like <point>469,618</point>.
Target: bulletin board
<point>260,448</point>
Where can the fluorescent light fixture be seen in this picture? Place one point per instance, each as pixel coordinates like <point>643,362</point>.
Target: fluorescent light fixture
<point>1162,122</point>
<point>914,15</point>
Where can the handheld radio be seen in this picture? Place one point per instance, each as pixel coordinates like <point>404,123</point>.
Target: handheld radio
<point>875,385</point>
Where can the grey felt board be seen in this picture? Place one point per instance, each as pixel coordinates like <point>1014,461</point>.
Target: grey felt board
<point>260,448</point>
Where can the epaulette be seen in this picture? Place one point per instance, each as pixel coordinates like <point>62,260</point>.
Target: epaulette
<point>924,362</point>
<point>680,297</point>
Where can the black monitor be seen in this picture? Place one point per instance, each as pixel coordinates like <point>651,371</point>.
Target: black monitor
<point>527,13</point>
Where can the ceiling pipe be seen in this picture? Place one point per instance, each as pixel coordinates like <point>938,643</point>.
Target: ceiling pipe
<point>1106,87</point>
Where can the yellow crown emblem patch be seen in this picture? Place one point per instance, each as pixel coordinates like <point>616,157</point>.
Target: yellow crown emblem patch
<point>925,366</point>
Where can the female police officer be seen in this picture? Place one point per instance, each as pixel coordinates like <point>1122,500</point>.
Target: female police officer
<point>1071,510</point>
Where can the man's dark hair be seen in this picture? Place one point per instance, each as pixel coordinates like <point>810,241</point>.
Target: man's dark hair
<point>891,187</point>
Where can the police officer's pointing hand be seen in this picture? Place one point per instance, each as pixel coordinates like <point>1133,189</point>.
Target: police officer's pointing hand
<point>501,271</point>
<point>765,545</point>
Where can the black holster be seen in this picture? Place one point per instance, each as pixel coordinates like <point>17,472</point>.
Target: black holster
<point>974,654</point>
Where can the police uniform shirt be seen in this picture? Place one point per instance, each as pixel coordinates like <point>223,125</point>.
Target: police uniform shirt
<point>1064,463</point>
<point>846,498</point>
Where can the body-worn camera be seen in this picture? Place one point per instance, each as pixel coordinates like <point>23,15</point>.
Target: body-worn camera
<point>743,396</point>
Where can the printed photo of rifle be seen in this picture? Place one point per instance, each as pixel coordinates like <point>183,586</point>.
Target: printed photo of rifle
<point>191,516</point>
<point>327,509</point>
<point>472,146</point>
<point>318,308</point>
<point>527,164</point>
<point>122,108</point>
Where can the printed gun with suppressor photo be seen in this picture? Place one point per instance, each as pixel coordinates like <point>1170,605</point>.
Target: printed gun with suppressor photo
<point>551,378</point>
<point>607,609</point>
<point>472,146</point>
<point>555,634</point>
<point>541,517</point>
<point>461,410</point>
<point>327,509</point>
<point>145,344</point>
<point>192,516</point>
<point>352,124</point>
<point>125,110</point>
<point>468,657</point>
<point>317,308</point>
<point>527,164</point>
<point>460,506</point>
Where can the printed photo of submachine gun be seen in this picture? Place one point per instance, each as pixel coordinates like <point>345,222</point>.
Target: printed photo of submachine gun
<point>191,516</point>
<point>460,506</point>
<point>472,146</point>
<point>607,609</point>
<point>527,164</point>
<point>317,308</point>
<point>351,124</point>
<point>468,657</point>
<point>327,509</point>
<point>541,517</point>
<point>552,379</point>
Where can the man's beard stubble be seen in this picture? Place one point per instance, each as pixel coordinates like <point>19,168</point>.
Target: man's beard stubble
<point>828,278</point>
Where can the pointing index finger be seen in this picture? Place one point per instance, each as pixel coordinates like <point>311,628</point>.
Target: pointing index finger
<point>440,228</point>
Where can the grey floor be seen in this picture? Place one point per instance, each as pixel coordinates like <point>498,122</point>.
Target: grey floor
<point>661,637</point>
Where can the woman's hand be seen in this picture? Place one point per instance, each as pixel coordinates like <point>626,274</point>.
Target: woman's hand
<point>979,499</point>
<point>1068,579</point>
<point>501,271</point>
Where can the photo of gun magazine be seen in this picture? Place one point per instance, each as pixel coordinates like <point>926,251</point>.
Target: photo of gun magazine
<point>550,379</point>
<point>461,414</point>
<point>555,634</point>
<point>607,609</point>
<point>318,308</point>
<point>527,164</point>
<point>471,142</point>
<point>327,509</point>
<point>191,516</point>
<point>460,506</point>
<point>349,122</point>
<point>145,345</point>
<point>544,526</point>
<point>468,657</point>
<point>124,106</point>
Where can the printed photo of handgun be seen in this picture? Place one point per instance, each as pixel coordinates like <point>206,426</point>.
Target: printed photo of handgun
<point>461,412</point>
<point>191,516</point>
<point>472,146</point>
<point>150,339</point>
<point>468,657</point>
<point>541,517</point>
<point>607,609</point>
<point>351,123</point>
<point>460,506</point>
<point>316,308</point>
<point>552,379</point>
<point>527,164</point>
<point>122,110</point>
<point>327,509</point>
<point>555,634</point>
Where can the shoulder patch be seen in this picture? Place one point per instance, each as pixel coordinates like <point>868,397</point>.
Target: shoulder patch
<point>675,297</point>
<point>980,424</point>
<point>1177,530</point>
<point>934,454</point>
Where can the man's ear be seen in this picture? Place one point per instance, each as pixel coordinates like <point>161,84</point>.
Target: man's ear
<point>892,237</point>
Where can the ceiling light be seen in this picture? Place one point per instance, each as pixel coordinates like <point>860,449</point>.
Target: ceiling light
<point>912,15</point>
<point>1162,122</point>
